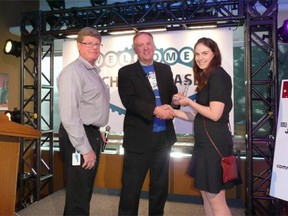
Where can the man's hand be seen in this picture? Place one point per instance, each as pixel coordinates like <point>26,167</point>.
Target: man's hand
<point>164,112</point>
<point>89,160</point>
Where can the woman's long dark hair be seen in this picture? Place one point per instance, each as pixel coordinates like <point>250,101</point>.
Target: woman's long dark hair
<point>200,77</point>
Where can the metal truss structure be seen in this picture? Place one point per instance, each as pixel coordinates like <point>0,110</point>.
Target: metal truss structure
<point>262,104</point>
<point>40,28</point>
<point>37,94</point>
<point>136,15</point>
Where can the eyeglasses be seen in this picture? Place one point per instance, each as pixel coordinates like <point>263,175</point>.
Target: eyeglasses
<point>91,45</point>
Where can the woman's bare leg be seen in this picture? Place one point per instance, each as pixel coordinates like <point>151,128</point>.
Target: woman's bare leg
<point>217,203</point>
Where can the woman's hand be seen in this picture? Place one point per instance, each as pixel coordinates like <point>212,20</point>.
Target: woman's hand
<point>184,101</point>
<point>185,115</point>
<point>176,98</point>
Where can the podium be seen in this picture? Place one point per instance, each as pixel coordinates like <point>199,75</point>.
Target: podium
<point>10,134</point>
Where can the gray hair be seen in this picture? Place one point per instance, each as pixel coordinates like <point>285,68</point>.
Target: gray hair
<point>141,33</point>
<point>88,31</point>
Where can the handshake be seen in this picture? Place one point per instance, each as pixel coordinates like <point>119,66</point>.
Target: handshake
<point>166,111</point>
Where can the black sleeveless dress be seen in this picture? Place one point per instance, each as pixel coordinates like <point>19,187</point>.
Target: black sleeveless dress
<point>205,164</point>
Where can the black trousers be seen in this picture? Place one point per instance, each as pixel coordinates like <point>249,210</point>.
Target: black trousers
<point>79,181</point>
<point>135,168</point>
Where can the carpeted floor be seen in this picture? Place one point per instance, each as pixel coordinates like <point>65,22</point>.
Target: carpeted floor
<point>105,203</point>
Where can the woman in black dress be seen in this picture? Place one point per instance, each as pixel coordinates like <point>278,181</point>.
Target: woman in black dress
<point>213,104</point>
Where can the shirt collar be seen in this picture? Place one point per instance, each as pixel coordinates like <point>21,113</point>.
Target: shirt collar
<point>145,64</point>
<point>88,65</point>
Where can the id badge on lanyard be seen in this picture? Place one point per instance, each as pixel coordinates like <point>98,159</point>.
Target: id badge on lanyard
<point>76,159</point>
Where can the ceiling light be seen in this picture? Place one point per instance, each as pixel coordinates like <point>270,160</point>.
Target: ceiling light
<point>98,2</point>
<point>202,26</point>
<point>121,32</point>
<point>73,36</point>
<point>56,4</point>
<point>153,30</point>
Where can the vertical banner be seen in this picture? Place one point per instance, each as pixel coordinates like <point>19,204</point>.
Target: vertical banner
<point>278,187</point>
<point>174,48</point>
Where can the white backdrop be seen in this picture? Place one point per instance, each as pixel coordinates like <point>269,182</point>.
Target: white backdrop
<point>278,187</point>
<point>174,48</point>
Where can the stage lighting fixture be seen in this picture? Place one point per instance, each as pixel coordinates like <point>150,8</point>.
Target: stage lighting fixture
<point>56,4</point>
<point>12,48</point>
<point>283,32</point>
<point>98,2</point>
<point>14,115</point>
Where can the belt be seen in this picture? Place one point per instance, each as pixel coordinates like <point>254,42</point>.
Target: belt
<point>92,126</point>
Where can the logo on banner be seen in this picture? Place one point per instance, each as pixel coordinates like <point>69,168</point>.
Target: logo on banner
<point>170,56</point>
